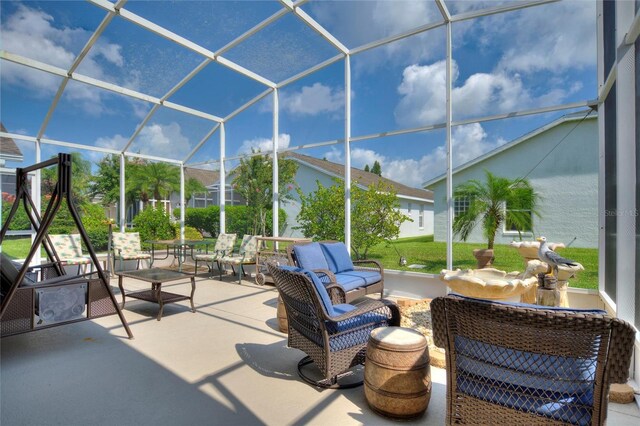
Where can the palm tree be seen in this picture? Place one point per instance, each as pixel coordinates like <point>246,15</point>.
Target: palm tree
<point>488,202</point>
<point>191,187</point>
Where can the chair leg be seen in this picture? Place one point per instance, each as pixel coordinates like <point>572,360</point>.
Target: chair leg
<point>331,383</point>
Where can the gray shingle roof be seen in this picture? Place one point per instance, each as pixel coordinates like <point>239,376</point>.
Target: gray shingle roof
<point>206,177</point>
<point>362,177</point>
<point>8,147</point>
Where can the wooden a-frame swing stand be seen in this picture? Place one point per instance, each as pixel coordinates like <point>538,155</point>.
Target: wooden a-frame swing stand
<point>25,291</point>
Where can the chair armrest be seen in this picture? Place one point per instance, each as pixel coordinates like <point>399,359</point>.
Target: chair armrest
<point>335,290</point>
<point>620,350</point>
<point>384,306</point>
<point>372,264</point>
<point>439,322</point>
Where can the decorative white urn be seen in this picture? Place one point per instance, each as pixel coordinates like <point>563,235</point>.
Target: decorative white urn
<point>488,283</point>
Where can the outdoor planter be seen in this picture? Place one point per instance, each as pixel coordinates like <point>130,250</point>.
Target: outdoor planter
<point>484,257</point>
<point>488,283</point>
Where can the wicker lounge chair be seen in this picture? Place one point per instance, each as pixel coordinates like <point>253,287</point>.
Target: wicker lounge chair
<point>331,261</point>
<point>224,246</point>
<point>334,337</point>
<point>246,256</point>
<point>517,364</point>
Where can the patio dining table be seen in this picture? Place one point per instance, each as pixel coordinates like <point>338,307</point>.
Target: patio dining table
<point>179,248</point>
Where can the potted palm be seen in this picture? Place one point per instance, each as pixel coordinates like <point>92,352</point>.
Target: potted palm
<point>487,202</point>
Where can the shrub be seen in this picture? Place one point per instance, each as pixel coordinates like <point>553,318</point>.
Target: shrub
<point>190,233</point>
<point>204,219</point>
<point>153,224</point>
<point>94,222</point>
<point>20,220</point>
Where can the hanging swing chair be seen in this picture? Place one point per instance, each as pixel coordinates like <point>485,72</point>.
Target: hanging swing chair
<point>43,296</point>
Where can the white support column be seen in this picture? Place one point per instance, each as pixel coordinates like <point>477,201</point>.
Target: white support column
<point>123,214</point>
<point>275,182</point>
<point>626,166</point>
<point>182,203</point>
<point>347,152</point>
<point>449,154</point>
<point>36,190</point>
<point>222,189</point>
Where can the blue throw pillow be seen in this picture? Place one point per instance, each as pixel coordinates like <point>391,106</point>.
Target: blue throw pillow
<point>310,256</point>
<point>338,257</point>
<point>320,289</point>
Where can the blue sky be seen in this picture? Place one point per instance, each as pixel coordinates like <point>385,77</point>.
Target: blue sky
<point>518,60</point>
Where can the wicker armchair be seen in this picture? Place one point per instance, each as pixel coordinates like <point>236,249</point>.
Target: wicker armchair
<point>334,337</point>
<point>524,364</point>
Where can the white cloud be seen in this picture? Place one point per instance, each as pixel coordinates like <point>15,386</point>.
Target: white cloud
<point>361,22</point>
<point>264,144</point>
<point>161,140</point>
<point>469,141</point>
<point>423,94</point>
<point>554,38</point>
<point>312,100</point>
<point>31,32</point>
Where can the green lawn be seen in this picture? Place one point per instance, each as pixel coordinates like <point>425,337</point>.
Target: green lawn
<point>424,251</point>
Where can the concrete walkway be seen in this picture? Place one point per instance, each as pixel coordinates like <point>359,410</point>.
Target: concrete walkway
<point>227,364</point>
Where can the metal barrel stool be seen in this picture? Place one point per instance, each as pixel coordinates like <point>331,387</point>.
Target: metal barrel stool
<point>397,378</point>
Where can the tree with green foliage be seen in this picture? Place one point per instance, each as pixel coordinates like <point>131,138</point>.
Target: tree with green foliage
<point>487,202</point>
<point>376,169</point>
<point>375,215</point>
<point>253,180</point>
<point>192,186</point>
<point>106,182</point>
<point>366,168</point>
<point>80,178</point>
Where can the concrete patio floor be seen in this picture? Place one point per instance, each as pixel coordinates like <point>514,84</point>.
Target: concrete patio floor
<point>226,364</point>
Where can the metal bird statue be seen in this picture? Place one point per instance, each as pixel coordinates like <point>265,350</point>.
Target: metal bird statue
<point>551,258</point>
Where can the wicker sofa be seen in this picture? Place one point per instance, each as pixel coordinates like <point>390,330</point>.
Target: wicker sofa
<point>332,263</point>
<point>518,364</point>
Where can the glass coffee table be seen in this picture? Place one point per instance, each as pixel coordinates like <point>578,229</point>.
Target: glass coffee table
<point>157,276</point>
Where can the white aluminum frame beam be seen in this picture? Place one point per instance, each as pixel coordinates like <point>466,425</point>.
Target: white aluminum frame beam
<point>248,104</point>
<point>444,11</point>
<point>275,183</point>
<point>314,25</point>
<point>21,60</point>
<point>449,143</point>
<point>498,9</point>
<point>171,36</point>
<point>311,70</point>
<point>347,152</point>
<point>222,191</point>
<point>83,53</point>
<point>202,142</point>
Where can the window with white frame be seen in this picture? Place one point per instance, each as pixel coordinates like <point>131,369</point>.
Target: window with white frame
<point>524,215</point>
<point>421,217</point>
<point>460,205</point>
<point>409,207</point>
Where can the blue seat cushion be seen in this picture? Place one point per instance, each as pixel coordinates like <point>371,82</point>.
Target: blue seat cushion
<point>354,279</point>
<point>319,287</point>
<point>310,256</point>
<point>354,331</point>
<point>553,386</point>
<point>337,256</point>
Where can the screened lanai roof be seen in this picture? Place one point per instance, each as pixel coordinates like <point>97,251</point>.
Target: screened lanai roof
<point>170,80</point>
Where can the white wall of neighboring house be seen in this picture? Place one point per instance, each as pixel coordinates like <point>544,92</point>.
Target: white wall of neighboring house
<point>567,181</point>
<point>306,179</point>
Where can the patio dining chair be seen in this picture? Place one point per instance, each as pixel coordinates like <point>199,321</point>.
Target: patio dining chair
<point>69,250</point>
<point>246,256</point>
<point>518,364</point>
<point>126,246</point>
<point>333,337</point>
<point>224,246</point>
